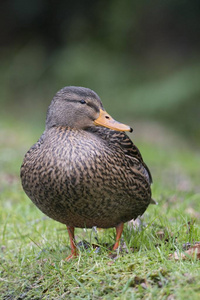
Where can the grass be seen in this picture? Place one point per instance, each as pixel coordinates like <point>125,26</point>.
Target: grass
<point>34,248</point>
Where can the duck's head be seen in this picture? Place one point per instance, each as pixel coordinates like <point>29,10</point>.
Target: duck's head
<point>80,108</point>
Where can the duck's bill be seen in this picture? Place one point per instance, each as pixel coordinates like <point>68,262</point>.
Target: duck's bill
<point>106,120</point>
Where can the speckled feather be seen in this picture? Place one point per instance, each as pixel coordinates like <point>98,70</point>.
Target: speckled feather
<point>85,177</point>
<point>81,179</point>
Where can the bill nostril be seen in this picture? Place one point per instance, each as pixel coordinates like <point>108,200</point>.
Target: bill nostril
<point>107,117</point>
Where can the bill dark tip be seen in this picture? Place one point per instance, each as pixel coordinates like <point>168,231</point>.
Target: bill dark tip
<point>131,129</point>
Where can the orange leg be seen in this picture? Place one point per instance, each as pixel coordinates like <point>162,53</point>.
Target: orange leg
<point>119,229</point>
<point>74,253</point>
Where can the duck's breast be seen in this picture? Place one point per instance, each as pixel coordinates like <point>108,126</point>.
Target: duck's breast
<point>77,179</point>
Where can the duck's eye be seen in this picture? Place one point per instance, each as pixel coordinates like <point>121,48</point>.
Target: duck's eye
<point>82,101</point>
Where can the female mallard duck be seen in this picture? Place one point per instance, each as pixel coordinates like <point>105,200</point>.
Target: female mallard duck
<point>84,171</point>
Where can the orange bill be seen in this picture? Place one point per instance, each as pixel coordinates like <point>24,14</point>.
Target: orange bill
<point>106,120</point>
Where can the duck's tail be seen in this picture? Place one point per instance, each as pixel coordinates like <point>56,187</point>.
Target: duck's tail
<point>153,202</point>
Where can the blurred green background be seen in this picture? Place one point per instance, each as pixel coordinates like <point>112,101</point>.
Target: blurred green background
<point>141,57</point>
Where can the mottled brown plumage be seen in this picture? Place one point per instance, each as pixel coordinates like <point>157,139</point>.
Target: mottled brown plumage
<point>81,173</point>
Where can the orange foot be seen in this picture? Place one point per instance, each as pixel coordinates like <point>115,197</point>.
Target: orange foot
<point>119,229</point>
<point>74,253</point>
<point>71,256</point>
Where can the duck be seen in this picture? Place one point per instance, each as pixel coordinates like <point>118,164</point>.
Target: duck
<point>84,170</point>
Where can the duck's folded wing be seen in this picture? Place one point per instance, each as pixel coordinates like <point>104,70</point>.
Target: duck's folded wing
<point>131,151</point>
<point>120,139</point>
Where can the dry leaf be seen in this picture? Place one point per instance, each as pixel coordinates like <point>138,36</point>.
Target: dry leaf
<point>160,234</point>
<point>192,252</point>
<point>177,255</point>
<point>164,234</point>
<point>110,263</point>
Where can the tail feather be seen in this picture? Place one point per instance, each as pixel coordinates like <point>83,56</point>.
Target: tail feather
<point>153,202</point>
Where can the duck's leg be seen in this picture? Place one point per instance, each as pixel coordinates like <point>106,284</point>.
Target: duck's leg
<point>74,253</point>
<point>119,229</point>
